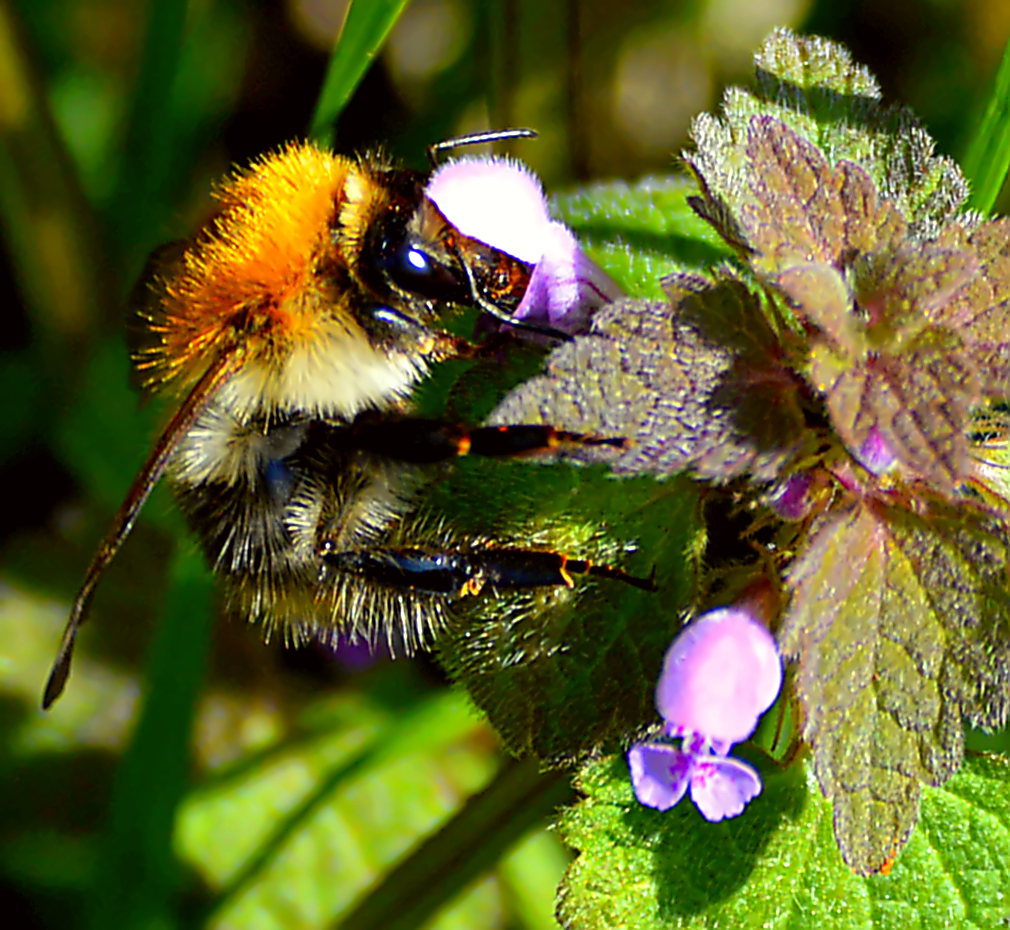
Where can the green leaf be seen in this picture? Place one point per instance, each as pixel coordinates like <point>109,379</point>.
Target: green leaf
<point>988,157</point>
<point>899,624</point>
<point>296,832</point>
<point>564,671</point>
<point>777,865</point>
<point>641,232</point>
<point>367,23</point>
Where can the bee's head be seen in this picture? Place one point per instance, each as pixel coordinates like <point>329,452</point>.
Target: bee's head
<point>411,254</point>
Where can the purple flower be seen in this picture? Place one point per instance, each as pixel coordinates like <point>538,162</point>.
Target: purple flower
<point>719,675</point>
<point>875,454</point>
<point>791,499</point>
<point>501,203</point>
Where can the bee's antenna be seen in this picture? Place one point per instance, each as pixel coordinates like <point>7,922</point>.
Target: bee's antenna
<point>195,403</point>
<point>476,138</point>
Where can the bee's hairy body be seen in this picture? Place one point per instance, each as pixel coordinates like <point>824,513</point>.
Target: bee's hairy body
<point>280,271</point>
<point>301,314</point>
<point>264,533</point>
<point>290,270</point>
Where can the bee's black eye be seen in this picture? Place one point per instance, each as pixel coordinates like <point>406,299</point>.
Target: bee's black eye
<point>413,269</point>
<point>416,260</point>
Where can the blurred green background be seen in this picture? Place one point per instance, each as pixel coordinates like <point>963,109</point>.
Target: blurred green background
<point>308,776</point>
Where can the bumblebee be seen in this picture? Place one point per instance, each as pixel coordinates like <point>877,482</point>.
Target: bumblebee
<point>292,328</point>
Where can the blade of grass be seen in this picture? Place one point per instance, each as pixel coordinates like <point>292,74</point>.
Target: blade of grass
<point>147,151</point>
<point>988,156</point>
<point>137,872</point>
<point>47,223</point>
<point>518,800</point>
<point>366,26</point>
<point>442,719</point>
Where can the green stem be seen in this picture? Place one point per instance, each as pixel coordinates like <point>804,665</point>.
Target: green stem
<point>518,800</point>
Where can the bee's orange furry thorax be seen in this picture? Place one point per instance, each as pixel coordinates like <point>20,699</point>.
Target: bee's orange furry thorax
<point>252,273</point>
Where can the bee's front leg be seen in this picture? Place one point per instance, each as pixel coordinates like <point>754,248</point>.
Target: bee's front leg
<point>423,441</point>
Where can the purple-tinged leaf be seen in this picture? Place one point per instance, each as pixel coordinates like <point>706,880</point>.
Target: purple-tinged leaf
<point>919,405</point>
<point>802,211</point>
<point>900,625</point>
<point>980,312</point>
<point>823,299</point>
<point>696,385</point>
<point>904,291</point>
<point>896,377</point>
<point>813,86</point>
<point>904,339</point>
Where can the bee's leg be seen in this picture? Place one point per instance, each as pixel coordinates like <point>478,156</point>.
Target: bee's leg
<point>421,441</point>
<point>458,573</point>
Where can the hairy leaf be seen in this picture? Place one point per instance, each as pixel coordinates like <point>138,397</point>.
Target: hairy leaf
<point>801,210</point>
<point>695,384</point>
<point>900,625</point>
<point>905,338</point>
<point>641,232</point>
<point>927,344</point>
<point>813,86</point>
<point>565,671</point>
<point>777,864</point>
<point>918,405</point>
<point>980,311</point>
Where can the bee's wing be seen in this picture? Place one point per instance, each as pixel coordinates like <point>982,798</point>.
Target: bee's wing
<point>201,394</point>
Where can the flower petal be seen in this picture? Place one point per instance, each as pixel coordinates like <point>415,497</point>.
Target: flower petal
<point>791,500</point>
<point>875,454</point>
<point>501,203</point>
<point>722,787</point>
<point>720,674</point>
<point>659,774</point>
<point>496,200</point>
<point>566,285</point>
